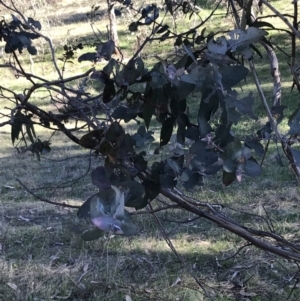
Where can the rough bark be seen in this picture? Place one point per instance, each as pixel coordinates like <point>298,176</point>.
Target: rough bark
<point>113,33</point>
<point>274,69</point>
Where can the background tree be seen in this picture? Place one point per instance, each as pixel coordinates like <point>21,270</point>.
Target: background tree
<point>112,22</point>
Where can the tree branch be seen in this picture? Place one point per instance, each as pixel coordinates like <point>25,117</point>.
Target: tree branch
<point>282,17</point>
<point>46,200</point>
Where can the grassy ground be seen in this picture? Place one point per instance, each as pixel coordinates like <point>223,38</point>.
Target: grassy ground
<point>42,256</point>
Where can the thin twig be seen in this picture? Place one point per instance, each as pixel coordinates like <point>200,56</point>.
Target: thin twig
<point>177,221</point>
<point>171,246</point>
<point>264,101</point>
<point>73,181</point>
<point>46,200</point>
<point>282,17</point>
<point>237,252</point>
<point>265,152</point>
<point>155,210</point>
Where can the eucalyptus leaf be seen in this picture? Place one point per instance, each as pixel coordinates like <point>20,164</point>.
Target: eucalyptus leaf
<point>93,234</point>
<point>241,39</point>
<point>166,131</point>
<point>107,49</point>
<point>228,178</point>
<point>89,56</point>
<point>252,168</point>
<point>194,183</point>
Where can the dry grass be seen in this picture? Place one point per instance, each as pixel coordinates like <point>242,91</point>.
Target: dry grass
<point>42,256</point>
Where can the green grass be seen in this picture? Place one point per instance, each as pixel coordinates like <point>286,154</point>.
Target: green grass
<point>42,256</point>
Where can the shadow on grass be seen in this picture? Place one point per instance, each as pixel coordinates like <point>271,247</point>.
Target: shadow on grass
<point>42,257</point>
<point>42,254</point>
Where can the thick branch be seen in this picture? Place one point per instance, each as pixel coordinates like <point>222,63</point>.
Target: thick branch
<point>264,101</point>
<point>233,227</point>
<point>51,118</point>
<point>274,68</point>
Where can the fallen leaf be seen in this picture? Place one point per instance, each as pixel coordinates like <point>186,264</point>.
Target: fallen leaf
<point>247,294</point>
<point>234,275</point>
<point>24,218</point>
<point>12,285</point>
<point>86,267</point>
<point>9,187</point>
<point>177,281</point>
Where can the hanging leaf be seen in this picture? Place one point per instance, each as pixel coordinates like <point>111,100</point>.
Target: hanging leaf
<point>100,178</point>
<point>228,178</point>
<point>30,132</point>
<point>294,122</point>
<point>91,139</point>
<point>192,181</point>
<point>32,50</point>
<point>35,23</point>
<point>218,46</point>
<point>234,150</point>
<point>84,210</point>
<point>135,193</point>
<point>197,148</point>
<point>141,137</point>
<point>233,116</point>
<point>109,92</point>
<point>114,132</point>
<point>255,145</point>
<point>204,158</point>
<point>148,111</point>
<point>107,50</point>
<point>178,41</point>
<point>240,39</point>
<point>109,67</point>
<point>151,18</point>
<point>277,113</point>
<point>252,168</point>
<point>133,27</point>
<point>89,56</point>
<point>229,165</point>
<point>123,113</point>
<point>94,234</point>
<point>296,157</point>
<point>167,181</point>
<point>133,70</point>
<point>163,28</point>
<point>260,24</point>
<point>279,159</point>
<point>223,135</point>
<point>192,133</point>
<point>165,36</point>
<point>152,190</point>
<point>244,105</point>
<point>232,75</point>
<point>213,169</point>
<point>16,127</point>
<point>209,104</point>
<point>166,131</point>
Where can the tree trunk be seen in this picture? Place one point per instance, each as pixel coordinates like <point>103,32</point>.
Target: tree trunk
<point>113,33</point>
